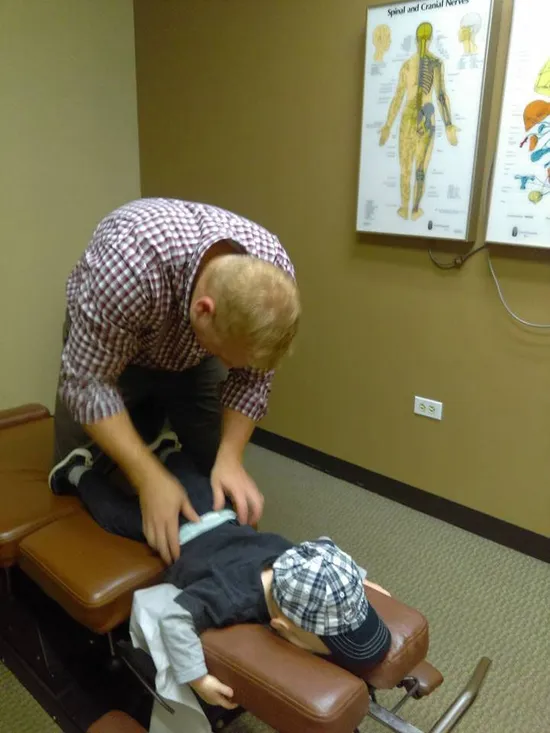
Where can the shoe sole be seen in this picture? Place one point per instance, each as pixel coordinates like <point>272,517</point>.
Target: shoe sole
<point>169,435</point>
<point>83,452</point>
<point>86,454</point>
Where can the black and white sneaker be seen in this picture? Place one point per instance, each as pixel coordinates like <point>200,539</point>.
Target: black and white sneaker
<point>58,480</point>
<point>166,443</point>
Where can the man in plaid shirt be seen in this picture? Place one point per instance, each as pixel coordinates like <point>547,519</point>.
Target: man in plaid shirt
<point>176,311</point>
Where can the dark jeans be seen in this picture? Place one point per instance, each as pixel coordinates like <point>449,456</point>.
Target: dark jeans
<point>188,400</point>
<point>120,514</point>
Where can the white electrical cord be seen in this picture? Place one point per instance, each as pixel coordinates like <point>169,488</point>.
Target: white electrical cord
<point>505,304</point>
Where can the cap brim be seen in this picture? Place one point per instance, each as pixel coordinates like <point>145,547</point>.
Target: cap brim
<point>362,648</point>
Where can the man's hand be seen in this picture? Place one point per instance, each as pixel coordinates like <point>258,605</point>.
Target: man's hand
<point>229,478</point>
<point>162,498</point>
<point>384,135</point>
<point>213,691</point>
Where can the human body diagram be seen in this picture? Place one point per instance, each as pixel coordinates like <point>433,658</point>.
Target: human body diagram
<point>536,118</point>
<point>381,38</point>
<point>470,26</point>
<point>422,84</point>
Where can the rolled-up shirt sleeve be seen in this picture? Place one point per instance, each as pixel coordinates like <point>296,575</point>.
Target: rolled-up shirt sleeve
<point>247,391</point>
<point>108,307</point>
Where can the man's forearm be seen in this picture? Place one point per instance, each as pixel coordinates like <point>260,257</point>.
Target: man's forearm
<point>119,439</point>
<point>237,431</point>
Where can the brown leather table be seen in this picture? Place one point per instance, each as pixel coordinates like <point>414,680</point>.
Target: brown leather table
<point>92,574</point>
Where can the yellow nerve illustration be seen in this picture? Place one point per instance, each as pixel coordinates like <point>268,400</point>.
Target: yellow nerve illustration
<point>381,38</point>
<point>543,81</point>
<point>420,78</point>
<point>470,25</point>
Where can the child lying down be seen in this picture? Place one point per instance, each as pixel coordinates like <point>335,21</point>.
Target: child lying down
<point>312,594</point>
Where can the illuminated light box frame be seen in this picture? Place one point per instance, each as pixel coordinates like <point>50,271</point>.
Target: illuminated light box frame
<point>519,204</point>
<point>424,84</point>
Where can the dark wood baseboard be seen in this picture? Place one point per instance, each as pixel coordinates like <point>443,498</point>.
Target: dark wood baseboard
<point>497,530</point>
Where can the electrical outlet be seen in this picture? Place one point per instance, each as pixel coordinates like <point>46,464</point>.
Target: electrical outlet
<point>428,408</point>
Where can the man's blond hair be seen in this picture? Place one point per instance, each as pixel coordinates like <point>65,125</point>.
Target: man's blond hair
<point>257,305</point>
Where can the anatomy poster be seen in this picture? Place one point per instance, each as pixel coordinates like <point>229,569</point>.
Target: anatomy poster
<point>519,211</point>
<point>423,91</point>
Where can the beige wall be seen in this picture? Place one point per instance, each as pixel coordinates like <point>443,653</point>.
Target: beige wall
<point>256,106</point>
<point>69,152</point>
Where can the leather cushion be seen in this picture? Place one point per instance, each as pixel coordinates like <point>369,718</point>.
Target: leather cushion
<point>286,687</point>
<point>92,574</point>
<point>22,414</point>
<point>116,722</point>
<point>26,503</point>
<point>428,677</point>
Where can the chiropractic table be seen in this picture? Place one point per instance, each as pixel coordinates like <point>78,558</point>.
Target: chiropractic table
<point>92,575</point>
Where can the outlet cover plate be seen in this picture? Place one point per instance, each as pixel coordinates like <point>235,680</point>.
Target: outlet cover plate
<point>428,408</point>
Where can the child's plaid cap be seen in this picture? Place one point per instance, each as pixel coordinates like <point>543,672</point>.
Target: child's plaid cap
<point>320,588</point>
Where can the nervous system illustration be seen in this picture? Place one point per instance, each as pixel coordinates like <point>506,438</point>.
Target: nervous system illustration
<point>421,78</point>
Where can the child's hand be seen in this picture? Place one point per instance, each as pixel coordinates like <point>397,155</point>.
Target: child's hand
<point>377,587</point>
<point>213,692</point>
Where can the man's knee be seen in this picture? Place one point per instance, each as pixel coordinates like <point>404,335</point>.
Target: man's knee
<point>148,418</point>
<point>208,379</point>
<point>204,450</point>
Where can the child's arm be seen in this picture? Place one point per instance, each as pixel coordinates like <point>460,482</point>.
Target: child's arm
<point>368,584</point>
<point>184,649</point>
<point>155,614</point>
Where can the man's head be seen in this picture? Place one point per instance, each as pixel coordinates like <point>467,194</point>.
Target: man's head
<point>245,311</point>
<point>318,603</point>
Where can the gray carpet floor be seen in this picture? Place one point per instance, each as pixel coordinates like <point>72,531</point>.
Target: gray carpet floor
<point>480,599</point>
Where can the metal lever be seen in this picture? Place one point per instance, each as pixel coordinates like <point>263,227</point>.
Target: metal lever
<point>147,686</point>
<point>452,715</point>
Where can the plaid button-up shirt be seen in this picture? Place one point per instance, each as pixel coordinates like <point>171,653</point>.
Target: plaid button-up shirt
<point>128,301</point>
